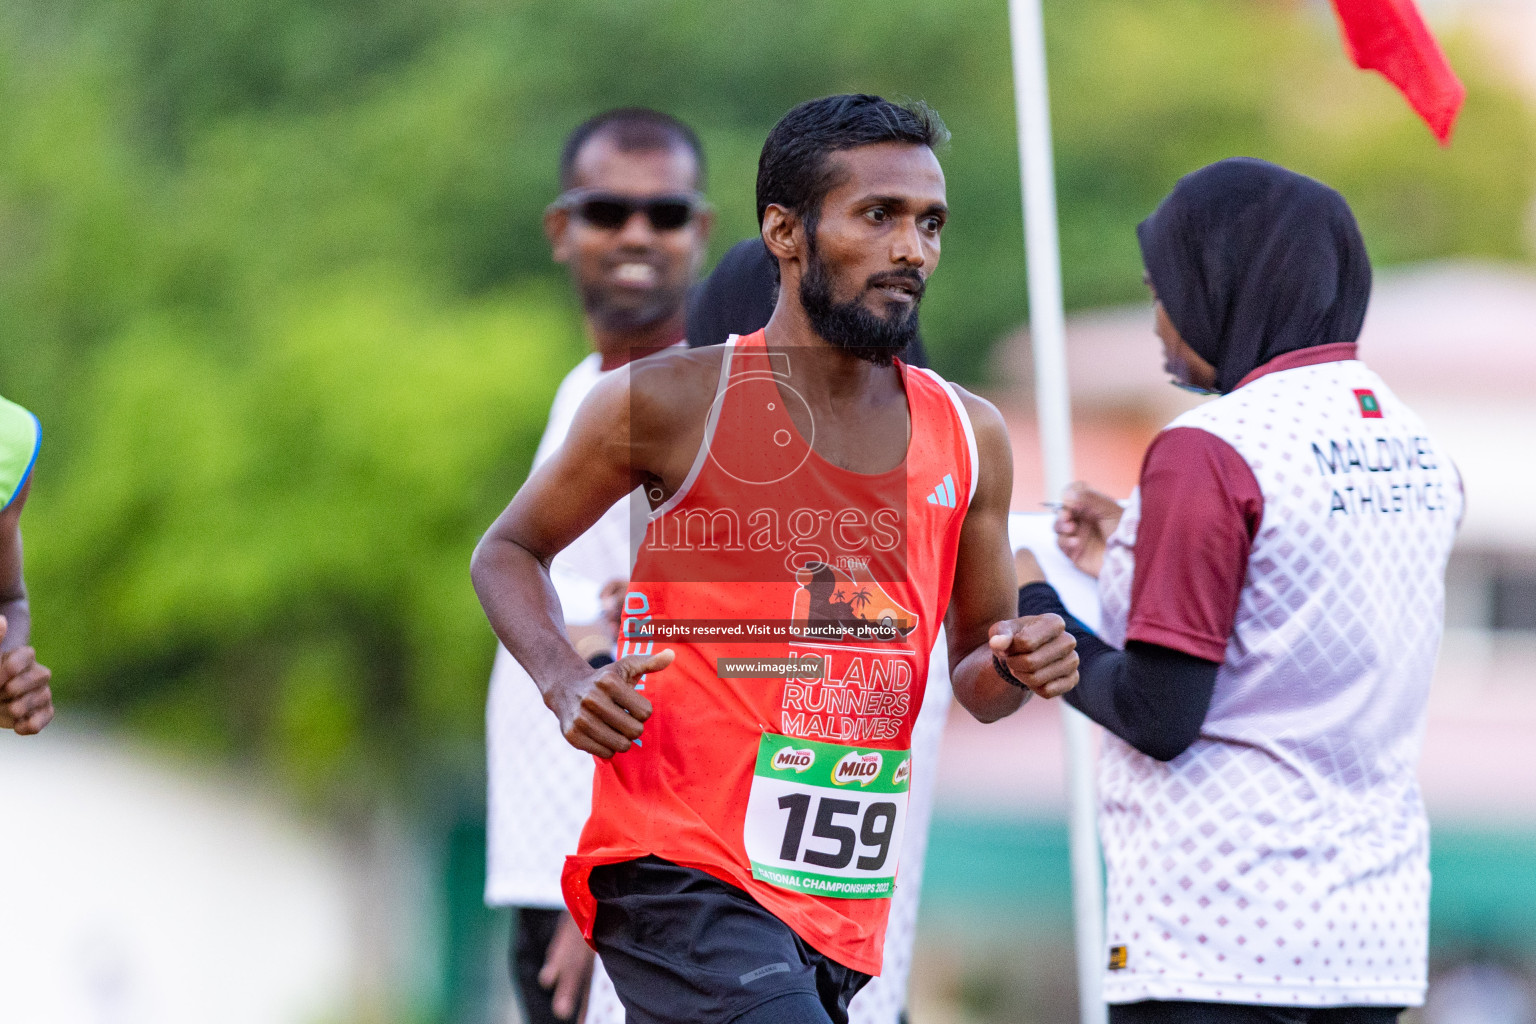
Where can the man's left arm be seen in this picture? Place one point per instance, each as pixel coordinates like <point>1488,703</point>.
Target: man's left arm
<point>986,640</point>
<point>26,701</point>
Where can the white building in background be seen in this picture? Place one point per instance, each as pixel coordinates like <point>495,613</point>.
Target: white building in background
<point>141,892</point>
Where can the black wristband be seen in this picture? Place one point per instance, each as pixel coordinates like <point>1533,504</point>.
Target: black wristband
<point>1001,668</point>
<point>600,659</point>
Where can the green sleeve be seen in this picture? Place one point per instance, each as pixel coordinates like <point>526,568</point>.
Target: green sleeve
<point>20,434</point>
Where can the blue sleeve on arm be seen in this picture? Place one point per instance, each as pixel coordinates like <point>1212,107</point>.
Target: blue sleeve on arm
<point>1153,697</point>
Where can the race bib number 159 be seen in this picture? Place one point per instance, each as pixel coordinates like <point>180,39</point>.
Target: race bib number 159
<point>826,819</point>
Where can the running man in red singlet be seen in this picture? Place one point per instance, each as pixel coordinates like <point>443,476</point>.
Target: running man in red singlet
<point>817,510</point>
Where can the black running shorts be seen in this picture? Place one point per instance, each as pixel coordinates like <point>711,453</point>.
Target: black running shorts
<point>683,947</point>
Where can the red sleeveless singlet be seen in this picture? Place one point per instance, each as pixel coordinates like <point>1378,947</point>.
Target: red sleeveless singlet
<point>792,788</point>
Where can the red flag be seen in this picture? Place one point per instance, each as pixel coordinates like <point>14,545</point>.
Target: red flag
<point>1390,36</point>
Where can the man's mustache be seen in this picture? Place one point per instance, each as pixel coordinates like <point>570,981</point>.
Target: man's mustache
<point>913,281</point>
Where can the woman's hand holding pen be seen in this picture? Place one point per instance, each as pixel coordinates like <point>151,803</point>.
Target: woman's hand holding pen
<point>1084,522</point>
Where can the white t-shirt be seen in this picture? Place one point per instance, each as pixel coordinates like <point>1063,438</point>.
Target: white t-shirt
<point>1284,857</point>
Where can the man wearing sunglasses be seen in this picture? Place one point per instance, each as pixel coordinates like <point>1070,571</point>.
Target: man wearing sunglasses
<point>817,510</point>
<point>631,227</point>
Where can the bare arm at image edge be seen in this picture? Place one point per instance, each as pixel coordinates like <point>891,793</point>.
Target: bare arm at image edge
<point>26,698</point>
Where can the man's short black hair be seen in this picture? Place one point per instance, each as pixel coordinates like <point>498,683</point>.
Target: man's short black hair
<point>633,130</point>
<point>795,171</point>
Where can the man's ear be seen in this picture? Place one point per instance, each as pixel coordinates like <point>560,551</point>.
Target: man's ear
<point>783,233</point>
<point>557,228</point>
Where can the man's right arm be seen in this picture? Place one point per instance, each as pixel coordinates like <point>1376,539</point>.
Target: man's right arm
<point>599,710</point>
<point>633,429</point>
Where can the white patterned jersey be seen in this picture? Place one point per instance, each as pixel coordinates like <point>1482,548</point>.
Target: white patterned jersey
<point>1283,858</point>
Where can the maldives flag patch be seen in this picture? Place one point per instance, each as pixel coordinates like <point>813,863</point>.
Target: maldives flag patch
<point>1370,409</point>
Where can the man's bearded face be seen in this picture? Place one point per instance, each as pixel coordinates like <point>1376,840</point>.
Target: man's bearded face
<point>867,325</point>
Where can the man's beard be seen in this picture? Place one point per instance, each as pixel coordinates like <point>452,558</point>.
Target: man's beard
<point>851,326</point>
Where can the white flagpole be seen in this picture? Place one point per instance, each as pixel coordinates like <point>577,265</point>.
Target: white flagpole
<point>1048,336</point>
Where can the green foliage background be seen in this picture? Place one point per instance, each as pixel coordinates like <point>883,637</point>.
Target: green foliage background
<point>271,274</point>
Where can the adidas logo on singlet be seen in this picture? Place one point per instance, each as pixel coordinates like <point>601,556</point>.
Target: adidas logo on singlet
<point>944,493</point>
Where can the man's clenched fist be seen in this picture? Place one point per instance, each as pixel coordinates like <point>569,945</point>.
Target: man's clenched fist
<point>26,701</point>
<point>1038,651</point>
<point>602,713</point>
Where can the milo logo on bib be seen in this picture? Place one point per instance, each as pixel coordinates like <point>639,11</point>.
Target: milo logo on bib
<point>790,759</point>
<point>857,767</point>
<point>832,832</point>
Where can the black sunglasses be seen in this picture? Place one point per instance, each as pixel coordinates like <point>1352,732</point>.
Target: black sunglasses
<point>611,212</point>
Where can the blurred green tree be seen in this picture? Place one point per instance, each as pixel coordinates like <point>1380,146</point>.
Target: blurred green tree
<point>272,545</point>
